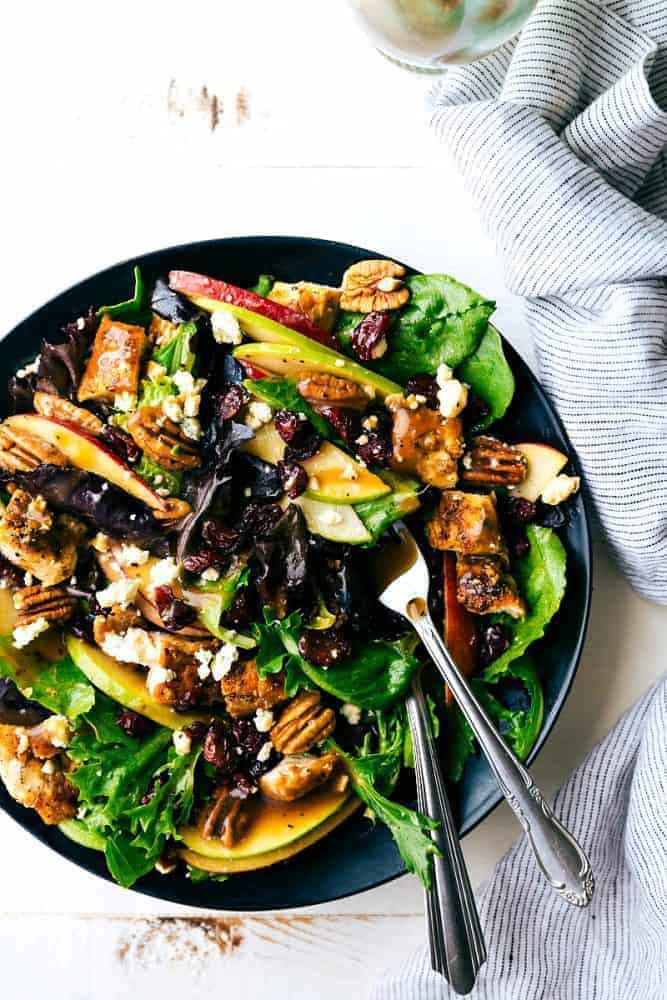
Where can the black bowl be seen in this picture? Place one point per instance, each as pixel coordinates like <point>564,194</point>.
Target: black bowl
<point>357,856</point>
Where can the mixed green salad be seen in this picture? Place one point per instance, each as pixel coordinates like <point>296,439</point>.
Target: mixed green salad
<point>197,675</point>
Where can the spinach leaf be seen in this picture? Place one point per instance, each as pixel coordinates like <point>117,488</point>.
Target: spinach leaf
<point>134,310</point>
<point>265,283</point>
<point>376,675</point>
<point>489,376</point>
<point>176,355</point>
<point>411,831</point>
<point>541,578</point>
<point>519,725</point>
<point>282,394</point>
<point>443,323</point>
<point>64,689</point>
<point>157,476</point>
<point>277,649</point>
<point>380,514</point>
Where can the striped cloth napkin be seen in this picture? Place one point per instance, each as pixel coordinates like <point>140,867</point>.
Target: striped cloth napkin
<point>561,139</point>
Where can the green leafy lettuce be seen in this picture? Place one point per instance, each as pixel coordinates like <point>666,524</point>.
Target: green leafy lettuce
<point>265,283</point>
<point>154,391</point>
<point>177,354</point>
<point>64,689</point>
<point>220,596</point>
<point>489,376</point>
<point>278,649</point>
<point>157,476</point>
<point>135,310</point>
<point>282,394</point>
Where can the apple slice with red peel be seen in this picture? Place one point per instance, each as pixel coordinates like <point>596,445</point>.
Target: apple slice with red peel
<point>254,371</point>
<point>460,625</point>
<point>544,464</point>
<point>211,294</point>
<point>88,453</point>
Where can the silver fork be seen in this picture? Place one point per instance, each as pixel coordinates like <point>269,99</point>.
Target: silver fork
<point>402,582</point>
<point>455,937</point>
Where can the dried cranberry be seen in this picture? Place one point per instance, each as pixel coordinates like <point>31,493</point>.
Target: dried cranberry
<point>154,784</point>
<point>322,648</point>
<point>346,423</point>
<point>218,749</point>
<point>227,540</point>
<point>120,443</point>
<point>196,731</point>
<point>247,736</point>
<point>243,785</point>
<point>197,562</point>
<point>134,724</point>
<point>520,510</point>
<point>294,478</point>
<point>425,385</point>
<point>517,542</point>
<point>493,642</point>
<point>230,401</point>
<point>550,515</point>
<point>260,519</point>
<point>475,413</point>
<point>377,450</point>
<point>174,613</point>
<point>242,612</point>
<point>287,424</point>
<point>303,448</point>
<point>369,338</point>
<point>11,575</point>
<point>190,699</point>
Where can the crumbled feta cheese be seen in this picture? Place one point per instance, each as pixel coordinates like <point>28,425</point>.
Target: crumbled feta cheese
<point>263,720</point>
<point>28,579</point>
<point>257,415</point>
<point>172,409</point>
<point>23,635</point>
<point>224,660</point>
<point>352,713</point>
<point>560,488</point>
<point>191,428</point>
<point>330,517</point>
<point>134,646</point>
<point>125,401</point>
<point>443,374</point>
<point>191,404</point>
<point>56,728</point>
<point>362,439</point>
<point>165,572</point>
<point>225,327</point>
<point>182,742</point>
<point>452,398</point>
<point>370,423</point>
<point>264,752</point>
<point>156,676</point>
<point>31,369</point>
<point>204,657</point>
<point>184,381</point>
<point>121,592</point>
<point>211,574</point>
<point>132,555</point>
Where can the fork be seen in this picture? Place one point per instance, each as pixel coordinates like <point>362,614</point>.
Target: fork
<point>402,584</point>
<point>456,941</point>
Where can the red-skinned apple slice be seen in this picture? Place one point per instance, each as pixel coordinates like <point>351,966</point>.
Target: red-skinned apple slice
<point>460,627</point>
<point>88,453</point>
<point>254,371</point>
<point>200,287</point>
<point>544,464</point>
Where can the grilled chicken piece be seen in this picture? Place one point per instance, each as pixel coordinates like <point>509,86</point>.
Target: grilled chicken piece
<point>467,523</point>
<point>224,817</point>
<point>244,691</point>
<point>295,776</point>
<point>425,443</point>
<point>31,766</point>
<point>38,542</point>
<point>318,302</point>
<point>485,588</point>
<point>114,364</point>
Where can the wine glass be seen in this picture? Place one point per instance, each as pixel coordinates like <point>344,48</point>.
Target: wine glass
<point>429,35</point>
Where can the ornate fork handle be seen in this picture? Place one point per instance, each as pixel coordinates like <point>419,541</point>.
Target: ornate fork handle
<point>561,860</point>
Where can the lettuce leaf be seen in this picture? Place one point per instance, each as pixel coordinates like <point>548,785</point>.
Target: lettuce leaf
<point>157,476</point>
<point>265,283</point>
<point>135,310</point>
<point>277,649</point>
<point>176,355</point>
<point>489,376</point>
<point>64,689</point>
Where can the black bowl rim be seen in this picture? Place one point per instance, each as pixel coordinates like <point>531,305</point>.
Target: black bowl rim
<point>67,849</point>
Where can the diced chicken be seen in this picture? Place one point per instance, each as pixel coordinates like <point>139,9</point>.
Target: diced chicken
<point>295,776</point>
<point>115,362</point>
<point>32,768</point>
<point>38,542</point>
<point>466,523</point>
<point>225,817</point>
<point>318,302</point>
<point>484,587</point>
<point>425,443</point>
<point>244,691</point>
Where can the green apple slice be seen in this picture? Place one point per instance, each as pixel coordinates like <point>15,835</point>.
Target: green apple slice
<point>126,684</point>
<point>337,522</point>
<point>294,360</point>
<point>267,444</point>
<point>77,831</point>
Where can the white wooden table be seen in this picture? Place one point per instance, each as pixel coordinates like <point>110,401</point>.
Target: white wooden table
<point>147,124</point>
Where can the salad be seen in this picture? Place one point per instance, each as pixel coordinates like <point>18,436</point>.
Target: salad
<point>196,674</point>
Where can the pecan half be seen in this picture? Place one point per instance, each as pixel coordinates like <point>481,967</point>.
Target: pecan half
<point>374,286</point>
<point>322,389</point>
<point>302,724</point>
<point>162,439</point>
<point>490,462</point>
<point>53,604</point>
<point>21,452</point>
<point>50,405</point>
<point>225,817</point>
